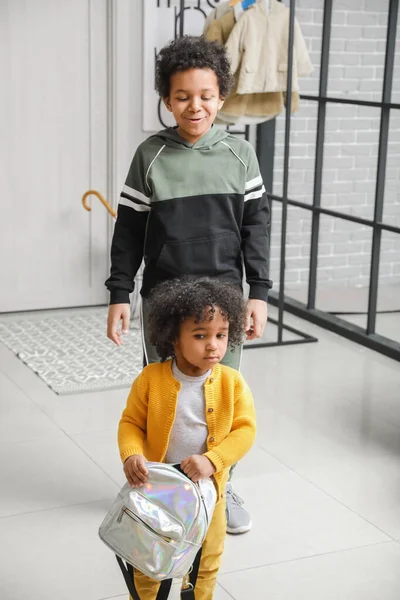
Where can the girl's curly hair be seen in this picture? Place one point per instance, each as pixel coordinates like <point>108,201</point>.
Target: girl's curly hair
<point>189,52</point>
<point>173,301</point>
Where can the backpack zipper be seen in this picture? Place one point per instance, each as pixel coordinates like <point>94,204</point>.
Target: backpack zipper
<point>140,521</point>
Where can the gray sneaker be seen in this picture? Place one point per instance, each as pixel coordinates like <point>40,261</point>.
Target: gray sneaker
<point>237,518</point>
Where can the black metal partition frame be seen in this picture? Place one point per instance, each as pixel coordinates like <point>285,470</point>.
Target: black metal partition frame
<point>265,147</point>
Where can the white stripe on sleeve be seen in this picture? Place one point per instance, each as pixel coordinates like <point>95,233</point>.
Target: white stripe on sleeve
<point>134,205</point>
<point>254,195</point>
<point>253,183</point>
<point>135,194</point>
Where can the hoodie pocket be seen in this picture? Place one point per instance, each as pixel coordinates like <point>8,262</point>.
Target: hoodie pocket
<point>213,255</point>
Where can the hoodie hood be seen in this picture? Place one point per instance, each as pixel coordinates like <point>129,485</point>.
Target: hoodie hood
<point>171,137</point>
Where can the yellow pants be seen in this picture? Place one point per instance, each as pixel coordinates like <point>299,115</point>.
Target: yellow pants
<point>213,547</point>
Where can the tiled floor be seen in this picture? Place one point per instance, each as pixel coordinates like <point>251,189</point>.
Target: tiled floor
<point>322,483</point>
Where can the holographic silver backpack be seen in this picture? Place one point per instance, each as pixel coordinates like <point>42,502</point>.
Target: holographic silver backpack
<point>159,529</point>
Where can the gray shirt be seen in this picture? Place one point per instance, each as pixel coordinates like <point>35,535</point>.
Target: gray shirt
<point>189,431</point>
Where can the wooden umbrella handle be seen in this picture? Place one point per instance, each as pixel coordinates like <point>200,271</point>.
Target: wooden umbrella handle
<point>102,200</point>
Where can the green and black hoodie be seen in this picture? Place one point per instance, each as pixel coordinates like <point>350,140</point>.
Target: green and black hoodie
<point>191,209</point>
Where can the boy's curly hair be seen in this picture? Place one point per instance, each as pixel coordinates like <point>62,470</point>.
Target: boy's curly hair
<point>190,52</point>
<point>173,301</point>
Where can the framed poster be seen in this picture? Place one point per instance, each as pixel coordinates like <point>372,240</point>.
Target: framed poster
<point>165,20</point>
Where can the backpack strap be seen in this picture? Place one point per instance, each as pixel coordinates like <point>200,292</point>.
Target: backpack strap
<point>127,572</point>
<point>165,587</point>
<point>188,592</point>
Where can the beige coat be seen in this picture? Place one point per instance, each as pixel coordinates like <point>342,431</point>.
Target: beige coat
<point>258,50</point>
<point>259,107</point>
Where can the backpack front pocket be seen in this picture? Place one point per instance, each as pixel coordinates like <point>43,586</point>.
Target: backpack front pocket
<point>140,545</point>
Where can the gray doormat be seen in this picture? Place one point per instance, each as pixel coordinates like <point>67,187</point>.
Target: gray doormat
<point>71,352</point>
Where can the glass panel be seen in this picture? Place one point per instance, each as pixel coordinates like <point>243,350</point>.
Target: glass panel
<point>391,205</point>
<point>357,50</point>
<point>297,250</point>
<point>388,309</point>
<point>344,257</point>
<point>309,14</point>
<point>303,133</point>
<point>350,159</point>
<point>297,263</point>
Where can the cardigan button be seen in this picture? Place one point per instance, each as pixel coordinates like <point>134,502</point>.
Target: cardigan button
<point>210,410</point>
<point>211,379</point>
<point>212,439</point>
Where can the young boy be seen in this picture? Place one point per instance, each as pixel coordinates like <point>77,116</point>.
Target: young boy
<point>193,204</point>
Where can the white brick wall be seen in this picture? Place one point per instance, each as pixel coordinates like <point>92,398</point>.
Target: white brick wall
<point>357,54</point>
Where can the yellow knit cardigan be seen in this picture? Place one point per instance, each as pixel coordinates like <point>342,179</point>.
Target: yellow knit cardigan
<point>147,420</point>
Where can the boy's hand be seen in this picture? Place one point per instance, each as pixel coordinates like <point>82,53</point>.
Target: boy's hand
<point>197,467</point>
<point>117,312</point>
<point>135,470</point>
<point>256,318</point>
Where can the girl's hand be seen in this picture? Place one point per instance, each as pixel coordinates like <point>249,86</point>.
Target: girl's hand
<point>135,470</point>
<point>197,467</point>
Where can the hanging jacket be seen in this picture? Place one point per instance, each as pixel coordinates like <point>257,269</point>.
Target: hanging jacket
<point>220,29</point>
<point>259,107</point>
<point>219,11</point>
<point>258,50</point>
<point>191,209</point>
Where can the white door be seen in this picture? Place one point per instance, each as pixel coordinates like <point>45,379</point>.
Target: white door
<point>53,147</point>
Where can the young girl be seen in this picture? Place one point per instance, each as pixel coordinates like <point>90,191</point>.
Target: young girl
<point>189,409</point>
